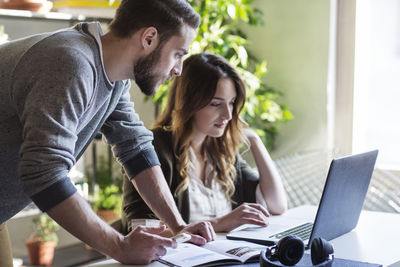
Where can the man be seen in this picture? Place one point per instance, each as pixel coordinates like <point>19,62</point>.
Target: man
<point>59,89</point>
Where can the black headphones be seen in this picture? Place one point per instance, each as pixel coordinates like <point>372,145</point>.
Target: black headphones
<point>290,249</point>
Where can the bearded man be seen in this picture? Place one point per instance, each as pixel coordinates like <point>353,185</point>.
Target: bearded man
<point>59,89</point>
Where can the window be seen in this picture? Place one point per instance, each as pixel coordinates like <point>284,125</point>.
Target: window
<point>376,107</point>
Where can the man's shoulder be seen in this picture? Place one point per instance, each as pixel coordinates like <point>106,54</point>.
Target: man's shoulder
<point>68,41</point>
<point>65,51</point>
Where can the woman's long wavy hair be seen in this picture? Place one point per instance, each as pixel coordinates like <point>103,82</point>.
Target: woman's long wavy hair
<point>192,91</point>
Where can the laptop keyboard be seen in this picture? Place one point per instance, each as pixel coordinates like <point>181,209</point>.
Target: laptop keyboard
<point>302,231</point>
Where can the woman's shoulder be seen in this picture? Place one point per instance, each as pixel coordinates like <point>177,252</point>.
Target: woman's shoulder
<point>160,133</point>
<point>242,165</point>
<point>164,148</point>
<point>162,140</point>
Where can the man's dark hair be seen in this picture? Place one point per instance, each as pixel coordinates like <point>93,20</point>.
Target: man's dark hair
<point>167,16</point>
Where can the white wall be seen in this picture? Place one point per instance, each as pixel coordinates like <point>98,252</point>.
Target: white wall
<point>295,42</point>
<point>145,109</point>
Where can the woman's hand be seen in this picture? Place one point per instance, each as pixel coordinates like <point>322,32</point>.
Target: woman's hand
<point>201,232</point>
<point>250,213</point>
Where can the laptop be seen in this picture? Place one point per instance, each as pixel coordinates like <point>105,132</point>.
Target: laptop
<point>339,209</point>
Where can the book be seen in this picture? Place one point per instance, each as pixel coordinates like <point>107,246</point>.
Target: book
<point>214,253</point>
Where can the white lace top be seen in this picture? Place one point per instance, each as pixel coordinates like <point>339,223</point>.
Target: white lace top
<point>208,201</point>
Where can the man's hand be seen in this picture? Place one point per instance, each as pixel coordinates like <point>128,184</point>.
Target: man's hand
<point>201,232</point>
<point>250,213</point>
<point>143,245</point>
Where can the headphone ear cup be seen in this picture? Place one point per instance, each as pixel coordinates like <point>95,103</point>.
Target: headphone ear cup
<point>320,250</point>
<point>290,250</point>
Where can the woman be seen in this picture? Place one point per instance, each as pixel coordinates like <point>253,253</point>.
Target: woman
<point>197,140</point>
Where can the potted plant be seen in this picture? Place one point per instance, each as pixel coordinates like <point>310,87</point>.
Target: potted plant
<point>105,186</point>
<point>108,203</point>
<point>42,241</point>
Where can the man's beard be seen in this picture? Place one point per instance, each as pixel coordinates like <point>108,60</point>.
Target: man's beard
<point>144,78</point>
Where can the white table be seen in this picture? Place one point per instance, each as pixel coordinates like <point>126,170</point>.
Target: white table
<point>376,239</point>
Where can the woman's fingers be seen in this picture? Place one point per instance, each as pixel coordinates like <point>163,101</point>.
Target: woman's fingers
<point>253,214</point>
<point>258,207</point>
<point>201,232</point>
<point>256,221</point>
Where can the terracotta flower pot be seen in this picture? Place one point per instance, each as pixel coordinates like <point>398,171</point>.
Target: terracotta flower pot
<point>40,253</point>
<point>107,215</point>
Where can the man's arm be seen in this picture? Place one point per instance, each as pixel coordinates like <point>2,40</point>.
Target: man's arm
<point>141,246</point>
<point>157,195</point>
<point>154,190</point>
<point>132,146</point>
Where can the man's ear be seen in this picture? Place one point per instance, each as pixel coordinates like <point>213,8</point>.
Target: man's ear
<point>149,38</point>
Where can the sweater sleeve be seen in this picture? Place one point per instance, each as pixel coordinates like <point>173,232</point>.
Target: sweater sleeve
<point>134,206</point>
<point>130,140</point>
<point>51,90</point>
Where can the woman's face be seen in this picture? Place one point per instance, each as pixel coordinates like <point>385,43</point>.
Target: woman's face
<point>213,118</point>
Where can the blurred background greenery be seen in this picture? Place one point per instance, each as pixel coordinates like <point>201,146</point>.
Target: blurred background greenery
<point>220,33</point>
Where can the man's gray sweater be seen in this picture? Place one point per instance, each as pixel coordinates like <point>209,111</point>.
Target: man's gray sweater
<point>54,98</point>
